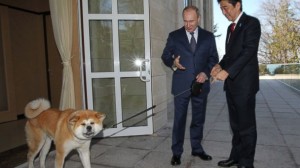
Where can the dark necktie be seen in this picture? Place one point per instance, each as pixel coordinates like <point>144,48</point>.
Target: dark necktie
<point>232,25</point>
<point>193,42</point>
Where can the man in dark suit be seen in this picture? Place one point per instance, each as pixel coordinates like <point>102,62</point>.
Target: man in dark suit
<point>239,69</point>
<point>191,52</point>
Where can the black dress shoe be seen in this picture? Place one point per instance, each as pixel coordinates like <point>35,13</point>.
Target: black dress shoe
<point>245,167</point>
<point>175,160</point>
<point>228,163</point>
<point>202,155</point>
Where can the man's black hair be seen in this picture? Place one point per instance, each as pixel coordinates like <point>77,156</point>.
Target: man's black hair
<point>233,2</point>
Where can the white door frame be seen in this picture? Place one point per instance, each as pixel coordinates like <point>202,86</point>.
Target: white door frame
<point>144,73</point>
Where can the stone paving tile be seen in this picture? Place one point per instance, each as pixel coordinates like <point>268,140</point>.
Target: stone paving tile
<point>223,117</point>
<point>209,123</point>
<point>217,149</point>
<point>142,142</point>
<point>296,155</point>
<point>166,145</point>
<point>121,157</point>
<point>164,132</point>
<point>263,137</point>
<point>115,141</point>
<point>292,140</point>
<point>289,126</point>
<point>197,162</point>
<point>219,135</point>
<point>273,156</point>
<point>280,106</point>
<point>222,126</point>
<point>263,114</point>
<point>262,109</point>
<point>266,123</point>
<point>260,103</point>
<point>296,106</point>
<point>286,115</point>
<point>96,150</point>
<point>158,159</point>
<point>282,110</point>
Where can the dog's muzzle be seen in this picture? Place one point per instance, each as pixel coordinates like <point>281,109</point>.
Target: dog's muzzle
<point>89,131</point>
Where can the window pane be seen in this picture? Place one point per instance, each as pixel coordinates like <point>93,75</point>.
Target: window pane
<point>133,101</point>
<point>104,99</point>
<point>132,43</point>
<point>99,6</point>
<point>131,7</point>
<point>101,46</point>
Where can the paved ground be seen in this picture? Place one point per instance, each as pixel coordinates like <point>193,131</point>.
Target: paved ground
<point>278,121</point>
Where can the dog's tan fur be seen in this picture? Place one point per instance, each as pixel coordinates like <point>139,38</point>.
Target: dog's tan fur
<point>69,129</point>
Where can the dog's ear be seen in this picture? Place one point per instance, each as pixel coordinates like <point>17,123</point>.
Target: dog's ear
<point>101,116</point>
<point>73,119</point>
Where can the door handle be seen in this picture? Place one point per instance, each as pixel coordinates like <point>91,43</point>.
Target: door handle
<point>142,63</point>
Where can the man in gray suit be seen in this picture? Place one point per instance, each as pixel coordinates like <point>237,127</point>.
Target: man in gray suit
<point>191,52</point>
<point>239,69</point>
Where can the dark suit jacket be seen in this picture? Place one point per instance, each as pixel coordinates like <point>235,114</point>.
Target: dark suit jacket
<point>204,58</point>
<point>240,60</point>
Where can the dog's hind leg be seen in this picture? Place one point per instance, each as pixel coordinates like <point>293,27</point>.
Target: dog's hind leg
<point>35,141</point>
<point>44,152</point>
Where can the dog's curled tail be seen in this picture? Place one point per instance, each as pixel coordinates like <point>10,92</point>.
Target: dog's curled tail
<point>35,107</point>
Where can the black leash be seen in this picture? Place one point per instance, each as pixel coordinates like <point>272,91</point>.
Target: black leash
<point>194,88</point>
<point>142,112</point>
<point>151,115</point>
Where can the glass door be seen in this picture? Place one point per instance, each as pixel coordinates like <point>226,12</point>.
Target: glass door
<point>117,64</point>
